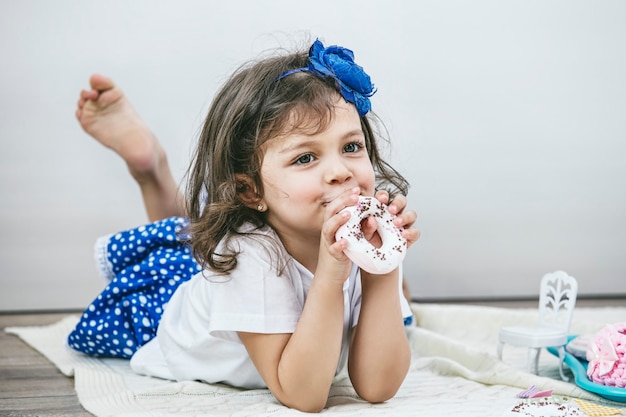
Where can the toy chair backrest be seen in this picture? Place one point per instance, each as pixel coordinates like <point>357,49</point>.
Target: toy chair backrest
<point>557,300</point>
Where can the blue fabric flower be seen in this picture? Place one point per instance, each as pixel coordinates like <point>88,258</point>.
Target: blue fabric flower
<point>338,62</point>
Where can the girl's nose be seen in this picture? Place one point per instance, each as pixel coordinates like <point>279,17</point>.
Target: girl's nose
<point>337,173</point>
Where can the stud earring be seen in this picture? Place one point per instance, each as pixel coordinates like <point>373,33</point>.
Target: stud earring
<point>260,207</point>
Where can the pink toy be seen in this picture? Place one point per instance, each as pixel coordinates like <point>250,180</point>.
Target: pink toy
<point>370,258</point>
<point>606,356</point>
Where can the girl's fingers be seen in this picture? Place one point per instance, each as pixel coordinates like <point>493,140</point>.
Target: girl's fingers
<point>406,219</point>
<point>345,199</point>
<point>397,205</point>
<point>382,196</point>
<point>332,224</point>
<point>335,217</point>
<point>369,227</point>
<point>411,235</point>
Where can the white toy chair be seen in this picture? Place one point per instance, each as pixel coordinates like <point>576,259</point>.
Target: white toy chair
<point>556,305</point>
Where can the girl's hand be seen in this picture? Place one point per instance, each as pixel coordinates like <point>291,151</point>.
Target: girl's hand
<point>403,219</point>
<point>331,255</point>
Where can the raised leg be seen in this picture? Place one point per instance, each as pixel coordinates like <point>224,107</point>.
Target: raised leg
<point>105,113</point>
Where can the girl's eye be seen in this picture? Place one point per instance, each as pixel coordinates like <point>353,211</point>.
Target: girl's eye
<point>352,147</point>
<point>305,159</point>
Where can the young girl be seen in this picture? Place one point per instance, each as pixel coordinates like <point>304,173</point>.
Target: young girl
<point>285,147</point>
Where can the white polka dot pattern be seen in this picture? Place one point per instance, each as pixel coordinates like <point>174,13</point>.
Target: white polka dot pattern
<point>148,263</point>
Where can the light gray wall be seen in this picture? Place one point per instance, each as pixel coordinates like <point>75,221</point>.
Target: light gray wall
<point>507,118</point>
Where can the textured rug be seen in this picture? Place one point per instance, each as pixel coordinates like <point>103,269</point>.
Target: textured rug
<point>454,371</point>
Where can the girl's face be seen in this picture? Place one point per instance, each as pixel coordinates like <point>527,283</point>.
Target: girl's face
<point>302,172</point>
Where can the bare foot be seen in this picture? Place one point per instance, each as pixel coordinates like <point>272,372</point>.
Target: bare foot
<point>107,115</point>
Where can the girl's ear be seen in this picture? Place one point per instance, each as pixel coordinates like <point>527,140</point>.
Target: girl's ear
<point>247,192</point>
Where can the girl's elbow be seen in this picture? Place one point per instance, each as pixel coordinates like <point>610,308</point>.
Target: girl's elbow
<point>306,405</point>
<point>309,401</point>
<point>380,387</point>
<point>314,408</point>
<point>377,394</point>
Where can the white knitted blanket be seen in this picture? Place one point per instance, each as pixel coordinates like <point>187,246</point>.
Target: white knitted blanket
<point>454,372</point>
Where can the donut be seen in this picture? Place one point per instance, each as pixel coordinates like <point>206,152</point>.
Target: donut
<point>360,251</point>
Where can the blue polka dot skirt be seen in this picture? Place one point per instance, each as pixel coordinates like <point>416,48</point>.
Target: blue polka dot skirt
<point>144,265</point>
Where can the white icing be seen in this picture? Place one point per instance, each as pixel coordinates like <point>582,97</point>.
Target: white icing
<point>368,257</point>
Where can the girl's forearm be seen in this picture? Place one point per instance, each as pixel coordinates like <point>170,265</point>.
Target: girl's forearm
<point>380,354</point>
<point>309,361</point>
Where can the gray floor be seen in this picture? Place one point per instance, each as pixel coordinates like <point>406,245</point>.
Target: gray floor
<point>31,385</point>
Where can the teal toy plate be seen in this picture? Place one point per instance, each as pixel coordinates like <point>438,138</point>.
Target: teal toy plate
<point>579,369</point>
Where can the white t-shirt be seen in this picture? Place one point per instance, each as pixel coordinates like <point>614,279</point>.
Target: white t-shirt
<point>197,337</point>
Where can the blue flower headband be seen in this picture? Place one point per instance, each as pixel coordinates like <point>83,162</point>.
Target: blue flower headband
<point>337,62</point>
